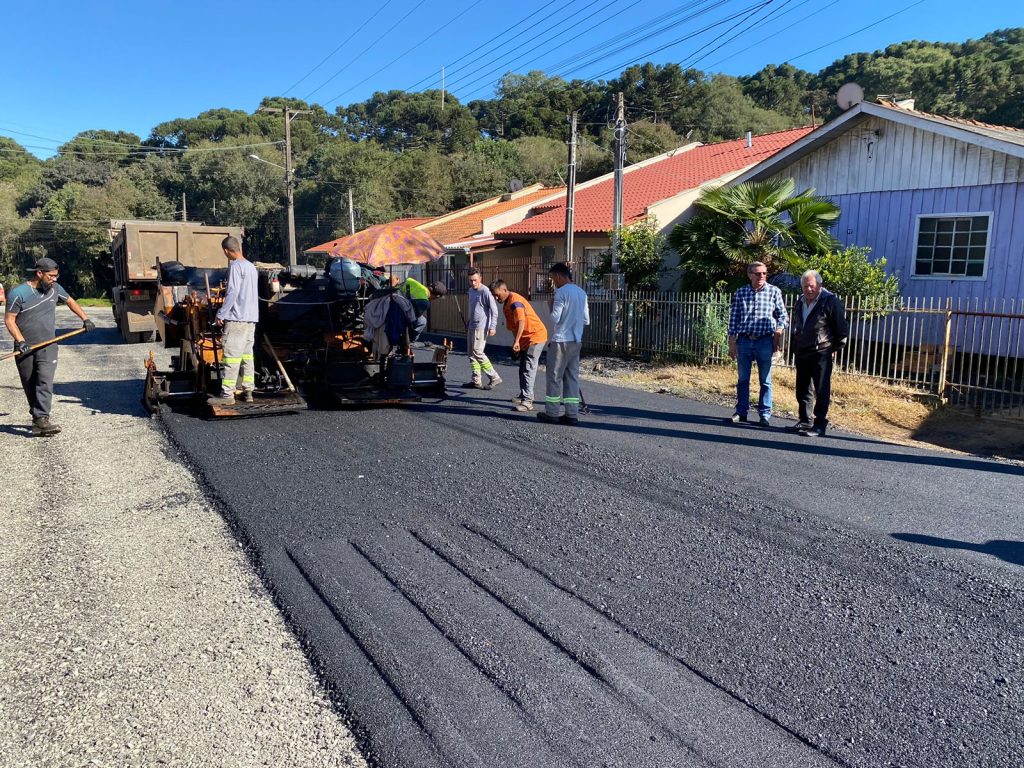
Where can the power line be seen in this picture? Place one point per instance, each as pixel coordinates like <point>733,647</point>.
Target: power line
<point>340,46</point>
<point>424,41</point>
<point>605,20</point>
<point>675,42</point>
<point>367,48</point>
<point>526,18</point>
<point>857,32</point>
<point>799,21</point>
<point>694,58</point>
<point>504,56</point>
<point>644,29</point>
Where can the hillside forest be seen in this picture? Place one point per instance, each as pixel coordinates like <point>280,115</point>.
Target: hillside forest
<point>404,155</point>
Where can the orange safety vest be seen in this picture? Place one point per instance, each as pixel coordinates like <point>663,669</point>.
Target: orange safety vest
<point>534,332</point>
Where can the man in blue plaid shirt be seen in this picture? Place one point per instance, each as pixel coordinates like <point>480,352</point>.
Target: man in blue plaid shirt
<point>756,323</point>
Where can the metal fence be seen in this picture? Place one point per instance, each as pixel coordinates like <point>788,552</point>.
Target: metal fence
<point>969,353</point>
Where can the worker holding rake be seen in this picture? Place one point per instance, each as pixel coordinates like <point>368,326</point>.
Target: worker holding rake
<point>31,319</point>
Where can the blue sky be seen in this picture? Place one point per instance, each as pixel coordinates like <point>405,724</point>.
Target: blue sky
<point>129,66</point>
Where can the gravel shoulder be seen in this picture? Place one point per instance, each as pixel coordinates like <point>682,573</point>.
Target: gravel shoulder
<point>133,630</point>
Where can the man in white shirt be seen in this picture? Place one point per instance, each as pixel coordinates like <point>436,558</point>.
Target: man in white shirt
<point>569,312</point>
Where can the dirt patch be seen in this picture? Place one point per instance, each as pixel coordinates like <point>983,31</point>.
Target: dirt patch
<point>859,404</point>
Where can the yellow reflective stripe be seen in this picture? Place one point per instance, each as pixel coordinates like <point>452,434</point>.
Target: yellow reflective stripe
<point>227,383</point>
<point>232,360</point>
<point>552,399</point>
<point>247,357</point>
<point>248,379</point>
<point>571,400</point>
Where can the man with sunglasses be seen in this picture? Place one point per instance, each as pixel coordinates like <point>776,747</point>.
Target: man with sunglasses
<point>31,318</point>
<point>756,322</point>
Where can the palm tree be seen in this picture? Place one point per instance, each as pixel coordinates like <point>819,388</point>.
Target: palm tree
<point>753,221</point>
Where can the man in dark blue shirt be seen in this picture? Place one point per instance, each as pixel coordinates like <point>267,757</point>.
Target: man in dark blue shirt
<point>756,323</point>
<point>31,318</point>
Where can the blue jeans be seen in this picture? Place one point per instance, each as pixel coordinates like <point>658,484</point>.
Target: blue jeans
<point>749,350</point>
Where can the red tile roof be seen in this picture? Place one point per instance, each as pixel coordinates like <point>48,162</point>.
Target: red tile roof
<point>647,184</point>
<point>454,228</point>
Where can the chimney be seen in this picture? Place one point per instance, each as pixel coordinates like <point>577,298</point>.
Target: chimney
<point>750,139</point>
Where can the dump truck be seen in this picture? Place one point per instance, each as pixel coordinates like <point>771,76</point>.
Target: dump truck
<point>138,248</point>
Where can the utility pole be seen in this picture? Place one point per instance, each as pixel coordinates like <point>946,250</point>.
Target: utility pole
<point>214,211</point>
<point>442,89</point>
<point>184,210</point>
<point>620,162</point>
<point>289,180</point>
<point>351,214</point>
<point>570,189</point>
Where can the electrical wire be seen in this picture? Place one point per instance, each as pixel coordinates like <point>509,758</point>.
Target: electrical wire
<point>766,38</point>
<point>523,20</point>
<point>340,46</point>
<point>675,42</point>
<point>694,58</point>
<point>856,32</point>
<point>395,60</point>
<point>603,21</point>
<point>504,56</point>
<point>645,30</point>
<point>367,48</point>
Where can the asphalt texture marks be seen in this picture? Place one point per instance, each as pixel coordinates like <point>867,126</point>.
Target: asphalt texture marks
<point>650,588</point>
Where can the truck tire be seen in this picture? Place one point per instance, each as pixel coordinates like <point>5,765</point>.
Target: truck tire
<point>143,337</point>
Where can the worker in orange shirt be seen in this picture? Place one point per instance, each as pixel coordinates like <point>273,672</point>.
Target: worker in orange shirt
<point>529,337</point>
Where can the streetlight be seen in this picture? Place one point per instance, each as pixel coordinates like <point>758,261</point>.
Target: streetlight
<point>260,159</point>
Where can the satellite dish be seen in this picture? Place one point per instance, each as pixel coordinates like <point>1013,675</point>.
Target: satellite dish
<point>515,185</point>
<point>848,95</point>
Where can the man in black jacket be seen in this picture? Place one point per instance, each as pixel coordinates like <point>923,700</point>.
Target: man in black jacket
<point>819,330</point>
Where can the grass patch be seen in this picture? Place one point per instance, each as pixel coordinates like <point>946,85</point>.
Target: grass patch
<point>100,302</point>
<point>859,404</point>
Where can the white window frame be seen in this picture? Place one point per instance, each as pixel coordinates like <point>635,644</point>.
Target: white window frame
<point>965,215</point>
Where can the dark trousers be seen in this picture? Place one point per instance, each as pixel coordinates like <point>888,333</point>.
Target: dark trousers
<point>814,386</point>
<point>37,372</point>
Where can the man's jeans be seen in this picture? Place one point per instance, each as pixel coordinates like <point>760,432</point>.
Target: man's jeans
<point>750,350</point>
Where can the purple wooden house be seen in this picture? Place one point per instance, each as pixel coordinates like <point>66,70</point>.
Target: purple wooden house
<point>942,199</point>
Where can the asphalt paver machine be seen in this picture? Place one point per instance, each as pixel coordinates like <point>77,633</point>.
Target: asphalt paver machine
<point>311,342</point>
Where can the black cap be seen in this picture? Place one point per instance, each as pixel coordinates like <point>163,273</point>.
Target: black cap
<point>43,265</point>
<point>439,288</point>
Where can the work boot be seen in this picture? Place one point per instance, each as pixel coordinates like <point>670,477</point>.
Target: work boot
<point>474,384</point>
<point>495,381</point>
<point>224,398</point>
<point>43,427</point>
<point>246,396</point>
<point>524,405</point>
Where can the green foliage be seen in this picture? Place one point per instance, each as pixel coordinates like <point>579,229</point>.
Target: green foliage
<point>641,249</point>
<point>754,221</point>
<point>849,272</point>
<point>711,330</point>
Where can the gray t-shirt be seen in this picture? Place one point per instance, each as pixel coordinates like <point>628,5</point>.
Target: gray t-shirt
<point>36,310</point>
<point>242,301</point>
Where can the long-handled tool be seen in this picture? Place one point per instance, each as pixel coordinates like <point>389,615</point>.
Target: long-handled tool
<point>47,343</point>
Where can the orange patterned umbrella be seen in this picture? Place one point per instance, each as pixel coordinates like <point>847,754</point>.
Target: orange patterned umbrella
<point>388,244</point>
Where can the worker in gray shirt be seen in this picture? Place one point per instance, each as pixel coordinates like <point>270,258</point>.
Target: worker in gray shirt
<point>238,316</point>
<point>483,322</point>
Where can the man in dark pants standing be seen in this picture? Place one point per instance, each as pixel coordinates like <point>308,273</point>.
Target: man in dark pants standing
<point>819,331</point>
<point>31,318</point>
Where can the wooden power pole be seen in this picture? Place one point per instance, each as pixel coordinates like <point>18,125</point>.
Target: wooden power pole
<point>570,190</point>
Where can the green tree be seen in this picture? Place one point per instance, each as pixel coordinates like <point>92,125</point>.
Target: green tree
<point>850,272</point>
<point>641,256</point>
<point>401,121</point>
<point>753,221</point>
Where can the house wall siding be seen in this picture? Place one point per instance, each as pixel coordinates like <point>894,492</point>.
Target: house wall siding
<point>878,155</point>
<point>886,222</point>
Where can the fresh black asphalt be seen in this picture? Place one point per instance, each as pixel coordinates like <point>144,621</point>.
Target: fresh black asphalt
<point>651,588</point>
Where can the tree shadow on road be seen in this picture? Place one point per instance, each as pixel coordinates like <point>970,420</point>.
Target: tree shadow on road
<point>1008,551</point>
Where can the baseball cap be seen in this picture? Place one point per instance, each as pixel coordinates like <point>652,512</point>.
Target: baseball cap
<point>43,265</point>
